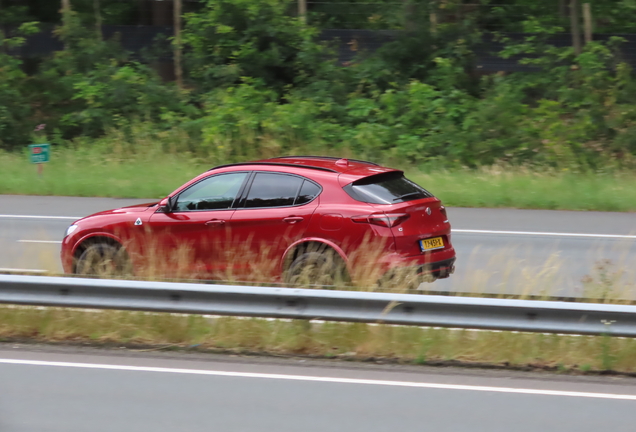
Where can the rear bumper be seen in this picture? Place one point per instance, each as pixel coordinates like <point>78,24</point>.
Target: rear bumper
<point>440,264</point>
<point>439,269</point>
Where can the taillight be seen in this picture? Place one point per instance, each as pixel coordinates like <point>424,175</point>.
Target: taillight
<point>388,220</point>
<point>443,210</point>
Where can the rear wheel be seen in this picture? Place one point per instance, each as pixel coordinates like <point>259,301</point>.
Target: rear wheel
<point>103,260</point>
<point>324,268</point>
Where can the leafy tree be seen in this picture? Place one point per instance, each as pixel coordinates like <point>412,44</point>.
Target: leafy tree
<point>15,109</point>
<point>232,39</point>
<point>94,85</point>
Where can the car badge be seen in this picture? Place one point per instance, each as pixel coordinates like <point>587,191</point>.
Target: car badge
<point>428,211</point>
<point>138,222</point>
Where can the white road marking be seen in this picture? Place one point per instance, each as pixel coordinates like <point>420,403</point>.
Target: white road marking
<point>323,379</point>
<point>17,270</point>
<point>40,217</point>
<point>40,241</point>
<point>534,233</point>
<point>465,231</point>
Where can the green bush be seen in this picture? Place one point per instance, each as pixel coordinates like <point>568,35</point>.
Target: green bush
<point>233,39</point>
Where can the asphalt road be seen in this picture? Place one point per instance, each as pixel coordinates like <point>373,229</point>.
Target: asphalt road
<point>68,390</point>
<point>499,250</point>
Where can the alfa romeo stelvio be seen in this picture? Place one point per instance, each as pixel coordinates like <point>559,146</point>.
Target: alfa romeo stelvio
<point>277,219</point>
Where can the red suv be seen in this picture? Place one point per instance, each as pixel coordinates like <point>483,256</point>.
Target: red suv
<point>273,219</point>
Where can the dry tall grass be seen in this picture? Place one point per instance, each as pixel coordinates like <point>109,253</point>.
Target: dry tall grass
<point>607,282</point>
<point>342,340</point>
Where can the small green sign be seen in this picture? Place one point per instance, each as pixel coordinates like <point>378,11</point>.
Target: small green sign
<point>39,153</point>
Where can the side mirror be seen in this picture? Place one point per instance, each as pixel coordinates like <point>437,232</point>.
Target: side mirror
<point>165,205</point>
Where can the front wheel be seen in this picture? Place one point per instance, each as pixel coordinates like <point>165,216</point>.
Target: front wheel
<point>103,260</point>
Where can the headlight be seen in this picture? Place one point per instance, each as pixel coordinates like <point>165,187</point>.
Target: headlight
<point>70,230</point>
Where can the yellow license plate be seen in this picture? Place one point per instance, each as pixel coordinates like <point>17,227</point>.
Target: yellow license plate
<point>432,243</point>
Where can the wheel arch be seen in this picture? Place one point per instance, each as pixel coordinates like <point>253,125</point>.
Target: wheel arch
<point>91,239</point>
<point>307,244</point>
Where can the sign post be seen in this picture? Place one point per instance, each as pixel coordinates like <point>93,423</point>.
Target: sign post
<point>39,154</point>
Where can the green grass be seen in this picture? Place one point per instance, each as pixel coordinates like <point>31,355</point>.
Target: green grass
<point>82,172</point>
<point>149,172</point>
<point>328,340</point>
<point>522,188</point>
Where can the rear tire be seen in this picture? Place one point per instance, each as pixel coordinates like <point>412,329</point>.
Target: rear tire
<point>324,268</point>
<point>103,260</point>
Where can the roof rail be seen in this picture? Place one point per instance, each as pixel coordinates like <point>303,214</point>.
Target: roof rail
<point>326,157</point>
<point>275,164</point>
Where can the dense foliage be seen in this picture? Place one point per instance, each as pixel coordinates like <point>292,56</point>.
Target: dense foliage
<point>258,83</point>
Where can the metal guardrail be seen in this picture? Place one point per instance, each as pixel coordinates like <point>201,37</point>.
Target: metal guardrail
<point>345,306</point>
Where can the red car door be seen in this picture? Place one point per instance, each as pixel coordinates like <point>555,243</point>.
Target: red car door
<point>274,212</point>
<point>192,239</point>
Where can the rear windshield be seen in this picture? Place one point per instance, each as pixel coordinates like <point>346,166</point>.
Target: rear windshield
<point>386,188</point>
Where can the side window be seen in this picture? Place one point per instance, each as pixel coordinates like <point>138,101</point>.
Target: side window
<point>213,193</point>
<point>273,190</point>
<point>308,191</point>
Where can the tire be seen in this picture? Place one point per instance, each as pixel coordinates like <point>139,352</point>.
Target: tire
<point>325,268</point>
<point>103,260</point>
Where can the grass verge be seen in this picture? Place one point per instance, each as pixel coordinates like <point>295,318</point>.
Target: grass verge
<point>522,188</point>
<point>320,339</point>
<point>151,171</point>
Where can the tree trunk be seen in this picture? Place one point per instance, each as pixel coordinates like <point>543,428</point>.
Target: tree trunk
<point>563,10</point>
<point>143,11</point>
<point>178,71</point>
<point>66,14</point>
<point>98,19</point>
<point>66,9</point>
<point>3,28</point>
<point>302,10</point>
<point>575,25</point>
<point>162,15</point>
<point>409,16</point>
<point>587,22</point>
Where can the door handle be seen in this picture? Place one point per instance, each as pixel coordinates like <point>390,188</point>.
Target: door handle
<point>215,222</point>
<point>293,219</point>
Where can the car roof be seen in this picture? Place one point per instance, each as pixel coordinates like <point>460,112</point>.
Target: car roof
<point>325,161</point>
<point>322,163</point>
<point>348,169</point>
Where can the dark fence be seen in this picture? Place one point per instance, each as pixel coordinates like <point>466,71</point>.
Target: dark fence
<point>132,38</point>
<point>352,42</point>
<point>348,44</point>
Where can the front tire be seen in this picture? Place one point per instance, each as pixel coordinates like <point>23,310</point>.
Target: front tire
<point>103,260</point>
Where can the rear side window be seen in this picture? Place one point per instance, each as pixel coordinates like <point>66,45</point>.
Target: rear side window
<point>280,190</point>
<point>273,190</point>
<point>386,188</point>
<point>308,191</point>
